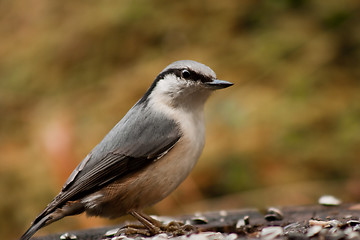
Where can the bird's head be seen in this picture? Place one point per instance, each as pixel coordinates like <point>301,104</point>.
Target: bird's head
<point>185,83</point>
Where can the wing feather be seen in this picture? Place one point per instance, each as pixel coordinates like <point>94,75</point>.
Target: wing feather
<point>135,142</point>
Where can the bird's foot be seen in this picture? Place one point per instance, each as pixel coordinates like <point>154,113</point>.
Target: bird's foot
<point>175,228</point>
<point>130,230</point>
<point>154,226</point>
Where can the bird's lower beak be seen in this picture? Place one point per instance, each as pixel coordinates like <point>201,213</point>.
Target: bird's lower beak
<point>218,84</point>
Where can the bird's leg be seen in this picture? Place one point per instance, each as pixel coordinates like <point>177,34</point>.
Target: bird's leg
<point>148,226</point>
<point>153,225</point>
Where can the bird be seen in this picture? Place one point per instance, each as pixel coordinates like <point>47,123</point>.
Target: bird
<point>145,156</point>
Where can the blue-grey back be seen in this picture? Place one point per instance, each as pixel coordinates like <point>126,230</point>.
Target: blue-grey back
<point>137,140</point>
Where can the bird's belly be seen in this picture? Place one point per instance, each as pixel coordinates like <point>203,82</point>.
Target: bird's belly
<point>149,185</point>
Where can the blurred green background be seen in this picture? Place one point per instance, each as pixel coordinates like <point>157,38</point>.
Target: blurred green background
<point>286,133</point>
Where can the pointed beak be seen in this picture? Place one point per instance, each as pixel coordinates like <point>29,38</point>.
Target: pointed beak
<point>218,84</point>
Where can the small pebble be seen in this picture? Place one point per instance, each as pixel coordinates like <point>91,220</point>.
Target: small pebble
<point>270,233</point>
<point>328,200</point>
<point>68,236</point>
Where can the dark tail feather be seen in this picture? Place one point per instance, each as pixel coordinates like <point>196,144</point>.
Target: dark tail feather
<point>47,217</point>
<point>35,227</point>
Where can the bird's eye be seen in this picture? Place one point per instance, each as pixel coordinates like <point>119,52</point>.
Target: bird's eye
<point>185,74</point>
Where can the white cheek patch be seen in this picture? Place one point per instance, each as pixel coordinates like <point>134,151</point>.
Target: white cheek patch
<point>170,85</point>
<point>166,90</point>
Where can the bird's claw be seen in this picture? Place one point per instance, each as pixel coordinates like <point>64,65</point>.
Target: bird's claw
<point>133,230</point>
<point>178,228</point>
<point>174,228</point>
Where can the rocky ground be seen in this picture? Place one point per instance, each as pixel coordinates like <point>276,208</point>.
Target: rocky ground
<point>324,221</point>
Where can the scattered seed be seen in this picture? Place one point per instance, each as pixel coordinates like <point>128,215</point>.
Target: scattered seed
<point>270,233</point>
<point>324,232</point>
<point>240,224</point>
<point>198,220</point>
<point>353,223</point>
<point>332,224</point>
<point>353,235</point>
<point>199,236</point>
<point>160,236</point>
<point>247,220</point>
<point>231,236</point>
<point>122,237</point>
<point>207,236</point>
<point>334,231</point>
<point>318,223</point>
<point>273,214</point>
<point>223,213</point>
<point>187,222</point>
<point>357,228</point>
<point>111,232</point>
<point>68,236</point>
<point>139,238</point>
<point>294,227</point>
<point>313,231</point>
<point>198,214</point>
<point>328,200</point>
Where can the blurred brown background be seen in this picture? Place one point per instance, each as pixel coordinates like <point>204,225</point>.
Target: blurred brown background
<point>286,133</point>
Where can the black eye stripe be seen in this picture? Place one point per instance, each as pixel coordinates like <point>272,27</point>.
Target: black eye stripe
<point>194,76</point>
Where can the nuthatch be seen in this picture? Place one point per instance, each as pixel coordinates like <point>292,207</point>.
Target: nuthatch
<point>146,155</point>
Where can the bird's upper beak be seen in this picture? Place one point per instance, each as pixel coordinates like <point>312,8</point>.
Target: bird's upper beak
<point>218,84</point>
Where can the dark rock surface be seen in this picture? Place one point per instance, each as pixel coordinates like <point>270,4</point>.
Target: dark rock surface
<point>296,222</point>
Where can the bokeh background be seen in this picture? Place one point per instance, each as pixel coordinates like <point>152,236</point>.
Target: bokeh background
<point>286,133</point>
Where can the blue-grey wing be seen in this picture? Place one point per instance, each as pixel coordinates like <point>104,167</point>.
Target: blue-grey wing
<point>140,138</point>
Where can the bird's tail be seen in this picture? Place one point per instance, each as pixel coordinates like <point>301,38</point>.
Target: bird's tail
<point>35,226</point>
<point>50,215</point>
